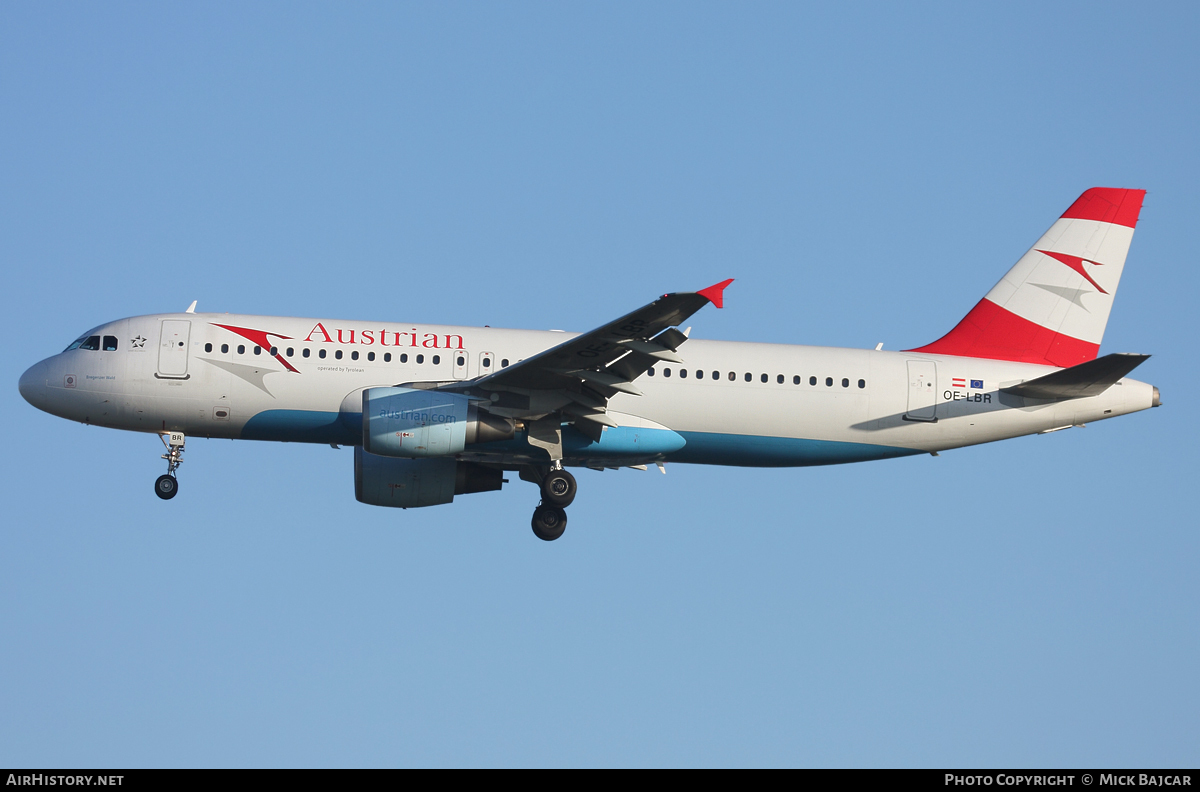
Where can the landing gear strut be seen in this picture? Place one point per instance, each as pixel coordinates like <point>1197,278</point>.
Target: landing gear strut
<point>166,486</point>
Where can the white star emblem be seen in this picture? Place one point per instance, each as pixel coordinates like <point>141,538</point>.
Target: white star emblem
<point>138,342</point>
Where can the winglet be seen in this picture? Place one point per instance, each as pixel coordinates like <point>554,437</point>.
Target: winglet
<point>716,293</point>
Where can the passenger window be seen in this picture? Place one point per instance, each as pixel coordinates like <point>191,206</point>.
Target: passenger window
<point>829,382</point>
<point>371,356</point>
<point>862,383</point>
<point>812,380</point>
<point>338,354</point>
<point>487,362</point>
<point>649,372</point>
<point>683,373</point>
<point>732,376</point>
<point>779,379</point>
<point>241,349</point>
<point>305,352</point>
<point>257,350</point>
<point>387,357</point>
<point>845,382</point>
<point>403,357</point>
<point>354,355</point>
<point>749,376</point>
<point>666,372</point>
<point>420,358</point>
<point>796,380</point>
<point>274,351</point>
<point>93,342</point>
<point>716,375</point>
<point>207,347</point>
<point>462,361</point>
<point>763,378</point>
<point>699,374</point>
<point>437,359</point>
<point>291,351</point>
<point>224,349</point>
<point>321,354</point>
<point>504,363</point>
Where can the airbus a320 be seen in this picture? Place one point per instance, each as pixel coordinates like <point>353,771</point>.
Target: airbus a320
<point>435,411</point>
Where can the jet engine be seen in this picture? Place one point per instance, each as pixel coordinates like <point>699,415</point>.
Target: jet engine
<point>410,483</point>
<point>405,422</point>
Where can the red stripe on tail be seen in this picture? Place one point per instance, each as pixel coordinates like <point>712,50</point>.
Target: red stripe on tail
<point>1108,205</point>
<point>989,331</point>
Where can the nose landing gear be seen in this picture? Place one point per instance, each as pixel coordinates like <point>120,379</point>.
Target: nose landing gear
<point>166,486</point>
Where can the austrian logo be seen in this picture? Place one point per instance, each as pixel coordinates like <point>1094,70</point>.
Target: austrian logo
<point>1076,263</point>
<point>261,338</point>
<point>319,334</point>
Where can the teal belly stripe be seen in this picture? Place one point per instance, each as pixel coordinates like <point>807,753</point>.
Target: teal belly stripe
<point>701,448</point>
<point>711,448</point>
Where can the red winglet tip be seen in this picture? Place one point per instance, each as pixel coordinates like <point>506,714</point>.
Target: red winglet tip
<point>716,293</point>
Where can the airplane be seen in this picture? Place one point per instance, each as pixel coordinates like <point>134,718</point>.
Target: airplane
<point>437,411</point>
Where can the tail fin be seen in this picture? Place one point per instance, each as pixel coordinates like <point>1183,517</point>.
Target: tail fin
<point>1052,306</point>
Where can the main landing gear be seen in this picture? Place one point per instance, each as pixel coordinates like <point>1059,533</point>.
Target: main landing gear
<point>558,491</point>
<point>166,486</point>
<point>549,522</point>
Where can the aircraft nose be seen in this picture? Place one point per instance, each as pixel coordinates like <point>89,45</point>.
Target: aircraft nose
<point>33,384</point>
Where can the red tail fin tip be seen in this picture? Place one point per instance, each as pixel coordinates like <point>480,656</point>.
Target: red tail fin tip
<point>1108,205</point>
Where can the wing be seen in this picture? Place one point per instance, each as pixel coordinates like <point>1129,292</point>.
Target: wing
<point>574,380</point>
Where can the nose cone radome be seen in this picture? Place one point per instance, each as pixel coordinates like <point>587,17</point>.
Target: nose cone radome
<point>33,385</point>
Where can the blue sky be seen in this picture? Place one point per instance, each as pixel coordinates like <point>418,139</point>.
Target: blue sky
<point>865,171</point>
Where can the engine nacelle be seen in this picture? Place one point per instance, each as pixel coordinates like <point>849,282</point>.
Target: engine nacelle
<point>411,483</point>
<point>405,422</point>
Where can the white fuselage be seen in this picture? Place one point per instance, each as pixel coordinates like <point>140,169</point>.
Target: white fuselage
<point>735,403</point>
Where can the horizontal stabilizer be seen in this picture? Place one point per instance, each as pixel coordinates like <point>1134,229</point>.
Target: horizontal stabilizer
<point>1086,379</point>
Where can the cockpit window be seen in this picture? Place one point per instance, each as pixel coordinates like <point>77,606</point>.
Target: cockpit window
<point>110,343</point>
<point>89,340</point>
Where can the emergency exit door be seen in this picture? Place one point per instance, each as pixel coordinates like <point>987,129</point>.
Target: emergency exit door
<point>461,359</point>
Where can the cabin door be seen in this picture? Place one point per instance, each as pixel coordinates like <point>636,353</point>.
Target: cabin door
<point>173,349</point>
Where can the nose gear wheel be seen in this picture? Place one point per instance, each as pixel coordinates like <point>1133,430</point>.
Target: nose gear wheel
<point>166,486</point>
